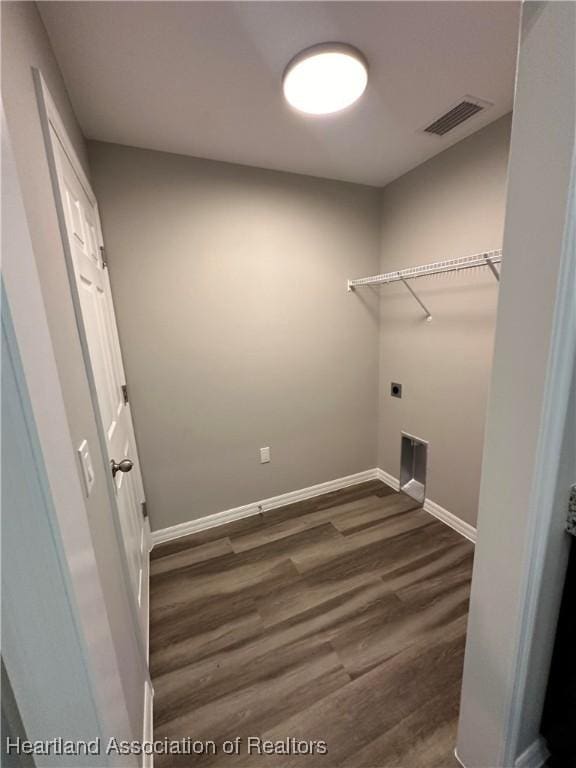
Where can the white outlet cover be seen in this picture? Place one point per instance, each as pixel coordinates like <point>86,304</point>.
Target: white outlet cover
<point>264,455</point>
<point>86,466</point>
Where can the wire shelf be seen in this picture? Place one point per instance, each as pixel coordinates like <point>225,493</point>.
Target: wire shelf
<point>484,259</point>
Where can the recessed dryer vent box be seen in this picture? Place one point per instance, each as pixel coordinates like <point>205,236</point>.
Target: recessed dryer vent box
<point>413,465</point>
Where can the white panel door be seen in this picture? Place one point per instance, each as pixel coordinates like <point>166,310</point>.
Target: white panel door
<point>97,310</point>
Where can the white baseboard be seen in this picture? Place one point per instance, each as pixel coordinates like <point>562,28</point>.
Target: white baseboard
<point>237,513</point>
<point>457,756</point>
<point>460,526</point>
<point>388,479</point>
<point>534,756</point>
<point>247,510</point>
<point>148,725</point>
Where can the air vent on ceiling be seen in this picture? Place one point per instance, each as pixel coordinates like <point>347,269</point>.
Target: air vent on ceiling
<point>464,110</point>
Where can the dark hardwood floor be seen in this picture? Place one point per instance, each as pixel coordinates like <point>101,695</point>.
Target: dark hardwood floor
<point>339,620</point>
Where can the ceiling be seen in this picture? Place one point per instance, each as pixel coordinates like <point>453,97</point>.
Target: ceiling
<point>204,78</point>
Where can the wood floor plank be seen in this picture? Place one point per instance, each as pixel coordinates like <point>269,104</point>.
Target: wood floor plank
<point>179,654</point>
<point>330,618</point>
<point>234,573</point>
<point>302,595</point>
<point>191,555</point>
<point>364,646</point>
<point>197,685</point>
<point>424,739</point>
<point>357,714</point>
<point>319,623</point>
<point>210,534</point>
<point>304,678</point>
<point>253,522</point>
<point>331,500</point>
<point>439,583</point>
<point>367,516</point>
<point>373,549</point>
<point>275,530</point>
<point>430,564</point>
<point>353,492</point>
<point>194,631</point>
<point>341,618</point>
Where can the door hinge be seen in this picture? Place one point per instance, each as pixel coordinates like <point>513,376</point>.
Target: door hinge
<point>144,510</point>
<point>103,257</point>
<point>125,393</point>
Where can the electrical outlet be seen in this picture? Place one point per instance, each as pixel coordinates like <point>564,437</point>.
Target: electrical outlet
<point>396,389</point>
<point>264,455</point>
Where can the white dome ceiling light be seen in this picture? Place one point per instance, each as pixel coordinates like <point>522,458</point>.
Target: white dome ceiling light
<point>325,78</point>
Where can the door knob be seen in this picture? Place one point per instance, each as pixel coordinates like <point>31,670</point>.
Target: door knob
<point>121,466</point>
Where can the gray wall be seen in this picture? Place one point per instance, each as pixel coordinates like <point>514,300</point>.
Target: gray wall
<point>236,328</point>
<point>451,206</point>
<point>25,45</point>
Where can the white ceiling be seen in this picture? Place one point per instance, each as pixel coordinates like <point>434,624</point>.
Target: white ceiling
<point>204,78</point>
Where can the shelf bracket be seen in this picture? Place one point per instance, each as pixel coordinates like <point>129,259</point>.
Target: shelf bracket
<point>493,269</point>
<point>424,307</point>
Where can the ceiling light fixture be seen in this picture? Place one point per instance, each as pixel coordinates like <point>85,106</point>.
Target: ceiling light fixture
<point>325,78</point>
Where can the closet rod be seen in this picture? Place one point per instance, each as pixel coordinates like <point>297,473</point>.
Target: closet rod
<point>485,259</point>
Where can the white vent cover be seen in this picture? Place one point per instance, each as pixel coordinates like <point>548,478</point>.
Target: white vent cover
<point>458,114</point>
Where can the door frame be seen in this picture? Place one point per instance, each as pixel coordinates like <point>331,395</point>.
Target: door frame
<point>522,545</point>
<point>44,394</point>
<point>50,119</point>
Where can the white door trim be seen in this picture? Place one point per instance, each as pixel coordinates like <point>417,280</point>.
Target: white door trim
<point>522,546</point>
<point>50,118</point>
<point>22,284</point>
<point>542,509</point>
